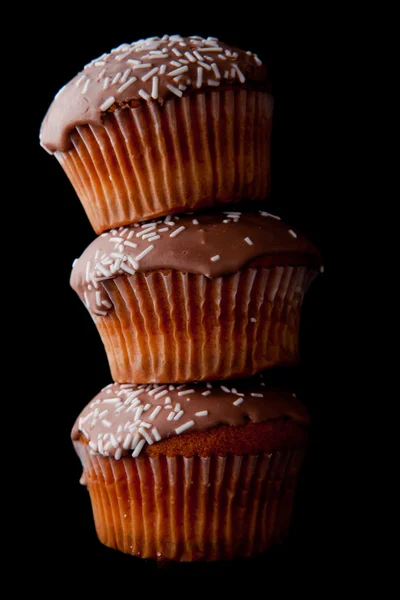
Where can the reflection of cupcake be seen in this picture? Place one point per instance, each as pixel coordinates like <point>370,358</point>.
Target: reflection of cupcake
<point>163,126</point>
<point>192,472</point>
<point>188,299</point>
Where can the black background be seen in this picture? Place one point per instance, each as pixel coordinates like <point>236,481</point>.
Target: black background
<point>59,348</point>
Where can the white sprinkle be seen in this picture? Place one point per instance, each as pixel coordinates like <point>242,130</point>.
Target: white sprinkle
<point>257,395</point>
<point>127,269</point>
<point>133,262</point>
<point>209,385</point>
<point>107,103</point>
<point>238,402</point>
<point>77,84</point>
<point>185,392</point>
<point>145,251</point>
<point>144,424</point>
<point>111,400</point>
<point>177,407</point>
<point>253,320</point>
<point>263,213</point>
<point>179,415</point>
<point>207,393</point>
<point>130,244</point>
<point>226,221</point>
<point>212,49</point>
<point>93,446</point>
<point>177,231</point>
<point>127,84</point>
<point>135,394</point>
<point>98,299</point>
<point>114,441</point>
<point>215,258</point>
<point>221,56</point>
<point>144,94</point>
<point>85,86</point>
<point>116,240</point>
<point>171,416</point>
<point>199,81</point>
<point>156,389</point>
<point>212,82</point>
<point>226,74</point>
<point>100,444</point>
<point>127,441</point>
<point>233,73</point>
<point>146,407</point>
<point>225,389</point>
<point>106,423</point>
<point>214,67</point>
<point>154,413</point>
<point>249,241</point>
<point>125,76</point>
<point>183,427</point>
<point>161,394</point>
<point>117,255</point>
<point>204,65</point>
<point>168,400</point>
<point>176,52</point>
<point>138,413</point>
<point>176,72</point>
<point>292,233</point>
<point>257,60</point>
<point>138,448</point>
<point>321,269</point>
<point>174,90</point>
<point>163,68</point>
<point>242,78</point>
<point>84,419</point>
<point>197,55</point>
<point>195,222</point>
<point>190,57</point>
<point>103,413</point>
<point>156,435</point>
<point>150,74</point>
<point>202,413</point>
<point>141,66</point>
<point>154,88</point>
<point>118,454</point>
<point>148,235</point>
<point>116,78</point>
<point>168,219</point>
<point>150,227</point>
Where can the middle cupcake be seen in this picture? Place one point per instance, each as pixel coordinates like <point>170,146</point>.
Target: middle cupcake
<point>196,297</point>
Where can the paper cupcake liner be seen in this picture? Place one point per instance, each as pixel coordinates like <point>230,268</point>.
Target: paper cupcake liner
<point>188,509</point>
<point>192,153</point>
<point>168,326</point>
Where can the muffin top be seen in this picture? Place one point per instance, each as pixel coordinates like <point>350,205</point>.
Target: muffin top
<point>123,418</point>
<point>150,70</point>
<point>213,244</point>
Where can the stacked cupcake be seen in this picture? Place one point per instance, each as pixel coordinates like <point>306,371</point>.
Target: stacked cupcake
<point>191,454</point>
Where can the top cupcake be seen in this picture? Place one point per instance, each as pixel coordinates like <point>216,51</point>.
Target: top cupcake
<point>163,126</point>
<point>153,69</point>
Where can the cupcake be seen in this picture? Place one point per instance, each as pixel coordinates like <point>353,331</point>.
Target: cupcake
<point>192,472</point>
<point>197,297</point>
<point>162,126</point>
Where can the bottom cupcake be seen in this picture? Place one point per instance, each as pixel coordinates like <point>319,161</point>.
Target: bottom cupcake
<point>192,472</point>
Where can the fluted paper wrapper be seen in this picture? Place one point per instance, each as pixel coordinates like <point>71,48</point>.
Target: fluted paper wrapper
<point>168,326</point>
<point>191,153</point>
<point>188,509</point>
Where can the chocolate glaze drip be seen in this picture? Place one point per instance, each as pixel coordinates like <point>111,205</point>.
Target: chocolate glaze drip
<point>120,412</point>
<point>211,244</point>
<point>149,70</point>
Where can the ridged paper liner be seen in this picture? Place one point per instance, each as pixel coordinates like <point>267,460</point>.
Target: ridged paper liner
<point>187,509</point>
<point>193,152</point>
<point>168,326</point>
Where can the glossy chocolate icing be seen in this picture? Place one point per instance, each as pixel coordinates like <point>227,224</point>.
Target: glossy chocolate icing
<point>149,70</point>
<point>120,416</point>
<point>213,244</point>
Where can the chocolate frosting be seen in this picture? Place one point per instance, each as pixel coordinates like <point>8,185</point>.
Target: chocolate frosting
<point>211,244</point>
<point>150,70</point>
<point>123,418</point>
